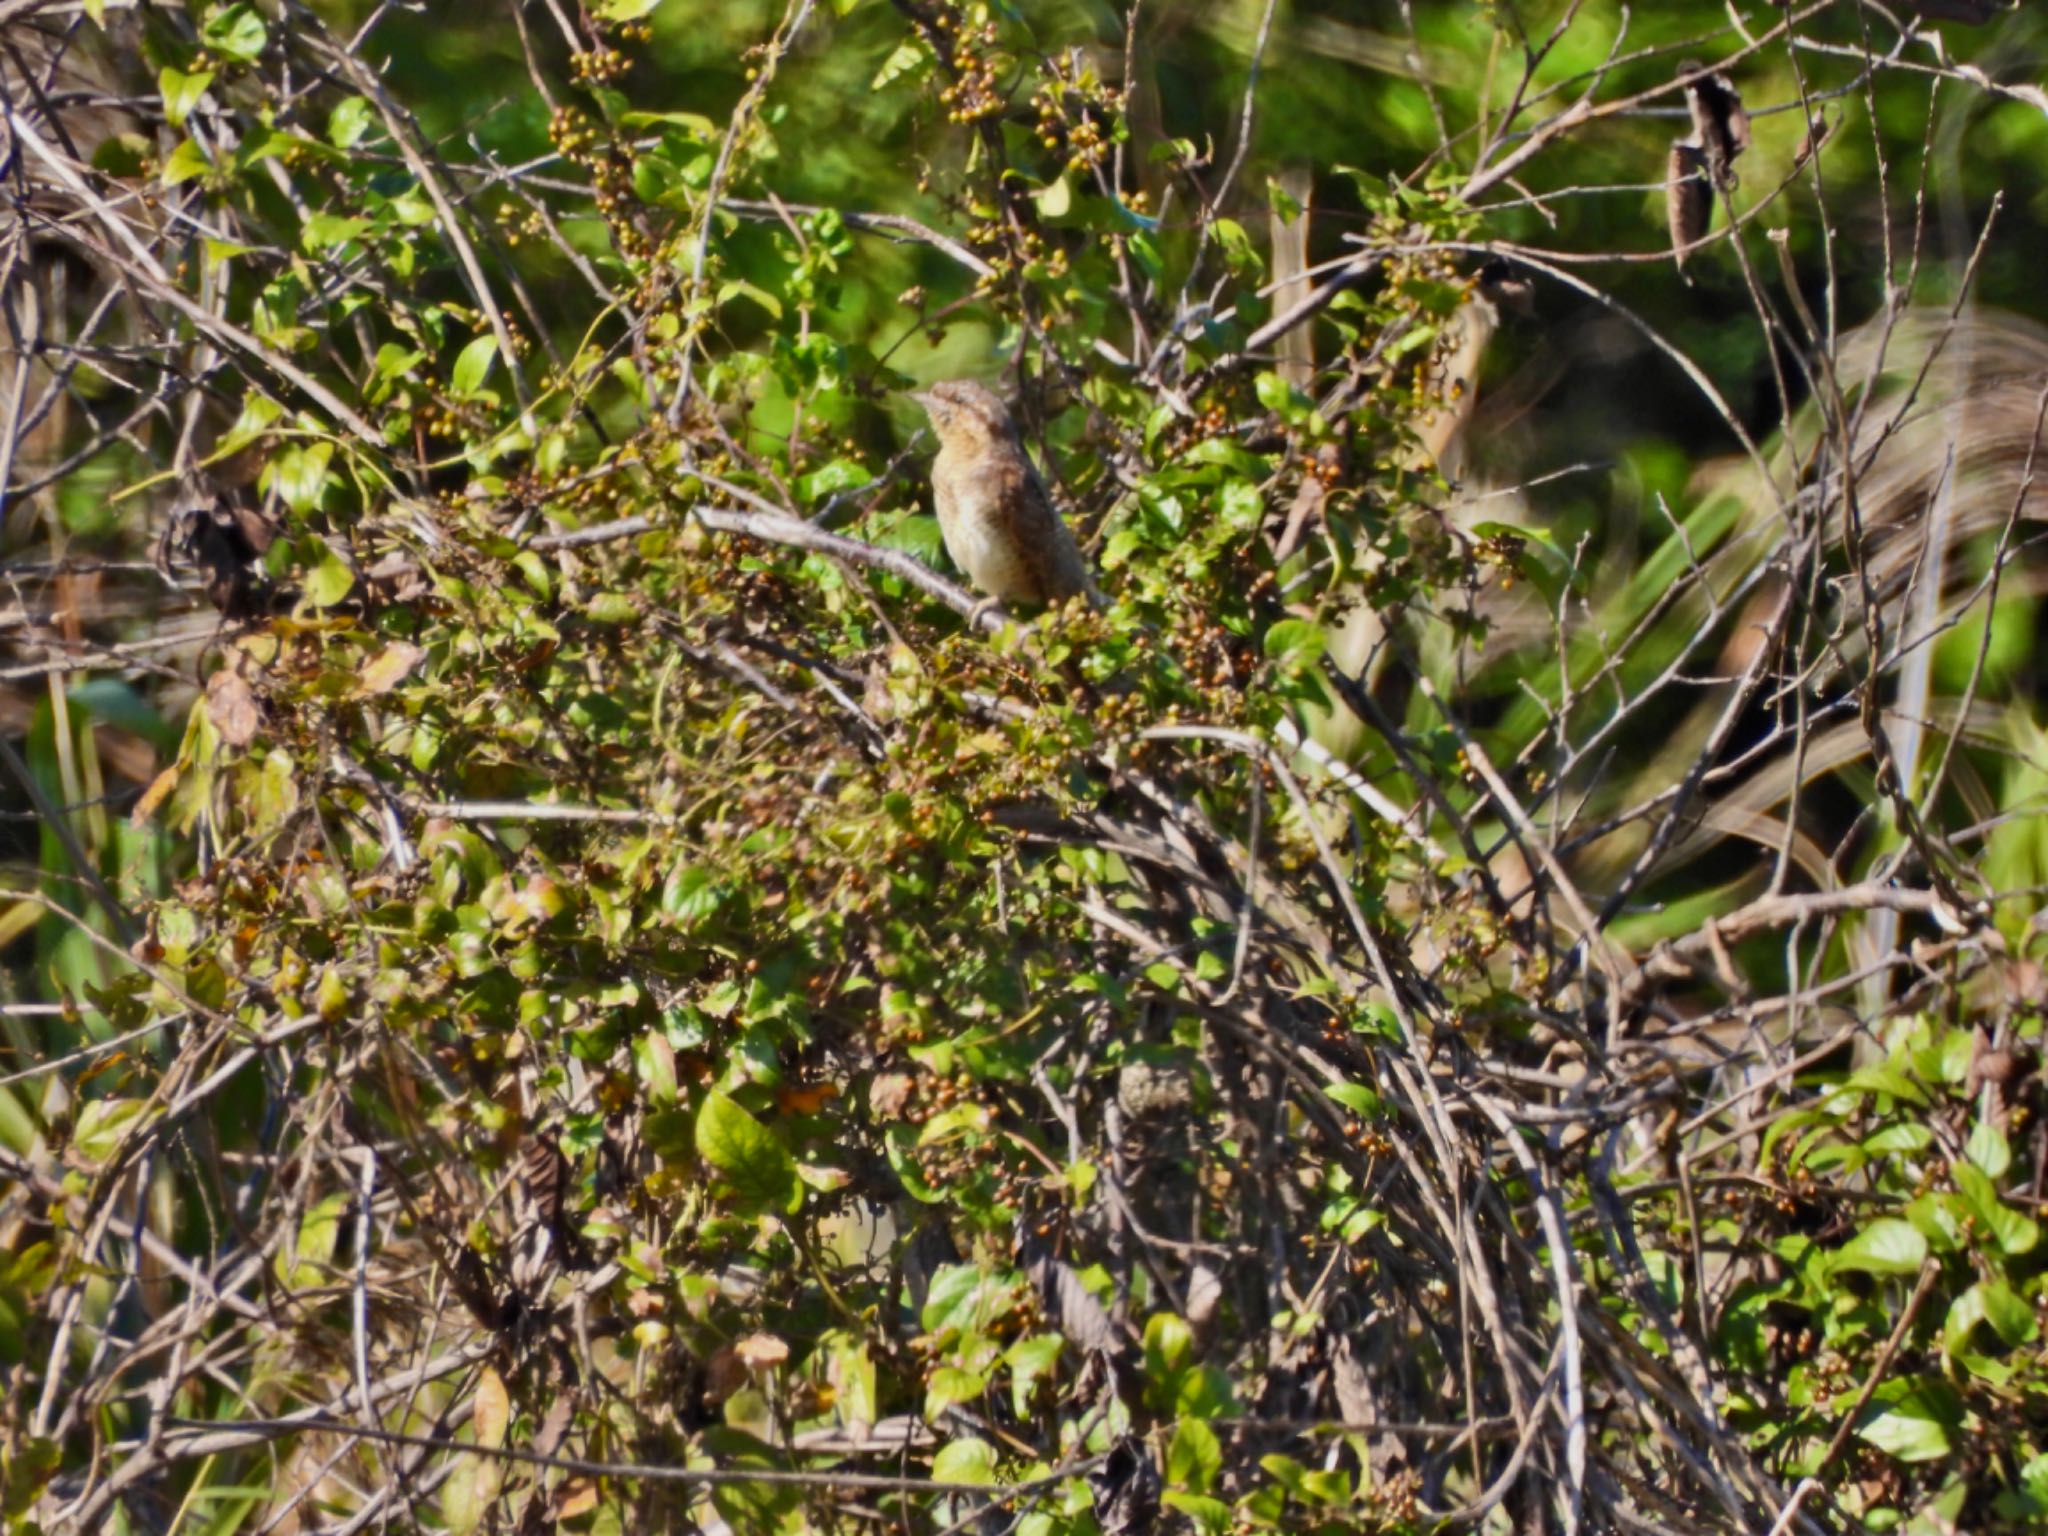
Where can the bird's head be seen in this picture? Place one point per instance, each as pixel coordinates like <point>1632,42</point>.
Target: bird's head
<point>966,414</point>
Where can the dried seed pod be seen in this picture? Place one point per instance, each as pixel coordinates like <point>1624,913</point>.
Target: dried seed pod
<point>1720,126</point>
<point>1689,198</point>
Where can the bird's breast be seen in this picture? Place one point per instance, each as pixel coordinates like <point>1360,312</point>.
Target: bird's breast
<point>982,537</point>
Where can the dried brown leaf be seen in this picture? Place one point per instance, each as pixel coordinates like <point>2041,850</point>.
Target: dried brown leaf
<point>231,706</point>
<point>724,1374</point>
<point>889,1094</point>
<point>388,668</point>
<point>554,1425</point>
<point>576,1497</point>
<point>761,1351</point>
<point>492,1410</point>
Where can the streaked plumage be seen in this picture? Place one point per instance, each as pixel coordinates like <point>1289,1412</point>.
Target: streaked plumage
<point>995,514</point>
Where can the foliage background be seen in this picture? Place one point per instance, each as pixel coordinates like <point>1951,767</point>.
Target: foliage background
<point>562,973</point>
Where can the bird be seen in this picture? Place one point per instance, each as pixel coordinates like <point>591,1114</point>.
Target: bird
<point>995,514</point>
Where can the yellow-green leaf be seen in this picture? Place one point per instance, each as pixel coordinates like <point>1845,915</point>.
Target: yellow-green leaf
<point>181,92</point>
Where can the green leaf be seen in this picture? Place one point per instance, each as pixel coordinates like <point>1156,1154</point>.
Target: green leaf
<point>328,582</point>
<point>2016,1233</point>
<point>330,996</point>
<point>1241,505</point>
<point>950,1386</point>
<point>611,608</point>
<point>395,362</point>
<point>1281,398</point>
<point>1169,1344</point>
<point>1030,1361</point>
<point>910,57</point>
<point>466,1497</point>
<point>655,1060</point>
<point>348,122</point>
<point>306,1262</point>
<point>1888,1246</point>
<point>181,93</point>
<point>1145,251</point>
<point>1940,1217</point>
<point>966,1461</point>
<point>1193,1456</point>
<point>2010,1317</point>
<point>1204,1392</point>
<point>27,1470</point>
<point>123,154</point>
<point>917,534</point>
<point>691,894</point>
<point>1355,1097</point>
<point>259,412</point>
<point>1910,1419</point>
<point>186,163</point>
<point>850,1367</point>
<point>740,288</point>
<point>220,251</point>
<point>1056,199</point>
<point>695,124</point>
<point>746,1152</point>
<point>1239,254</point>
<point>1284,202</point>
<point>473,366</point>
<point>323,230</point>
<point>236,31</point>
<point>1989,1150</point>
<point>966,1299</point>
<point>539,578</point>
<point>829,479</point>
<point>117,703</point>
<point>102,1124</point>
<point>1211,1516</point>
<point>1887,1079</point>
<point>1295,644</point>
<point>1903,1136</point>
<point>1989,1301</point>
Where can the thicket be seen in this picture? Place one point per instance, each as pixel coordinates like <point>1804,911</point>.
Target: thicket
<point>565,973</point>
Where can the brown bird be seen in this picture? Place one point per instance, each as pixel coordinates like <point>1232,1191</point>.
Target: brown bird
<point>997,518</point>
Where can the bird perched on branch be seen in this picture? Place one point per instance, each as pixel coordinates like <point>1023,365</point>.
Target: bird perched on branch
<point>998,520</point>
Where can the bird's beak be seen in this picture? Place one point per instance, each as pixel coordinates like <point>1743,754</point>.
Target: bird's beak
<point>923,397</point>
